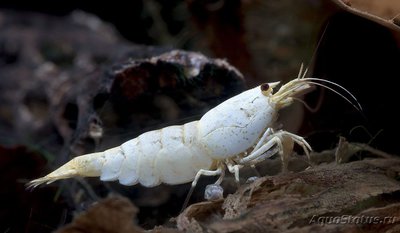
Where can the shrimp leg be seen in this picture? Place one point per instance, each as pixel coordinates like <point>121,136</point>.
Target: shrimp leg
<point>255,155</point>
<point>263,138</point>
<point>234,169</point>
<point>283,140</point>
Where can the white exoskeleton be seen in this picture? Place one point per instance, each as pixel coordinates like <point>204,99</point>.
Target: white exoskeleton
<point>236,133</point>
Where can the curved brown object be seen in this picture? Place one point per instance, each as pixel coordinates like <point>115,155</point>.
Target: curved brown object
<point>384,12</point>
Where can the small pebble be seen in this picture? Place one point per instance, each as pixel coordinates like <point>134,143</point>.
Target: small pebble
<point>213,192</point>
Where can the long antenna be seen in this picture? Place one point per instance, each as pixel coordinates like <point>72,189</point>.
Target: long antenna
<point>337,85</point>
<point>358,106</point>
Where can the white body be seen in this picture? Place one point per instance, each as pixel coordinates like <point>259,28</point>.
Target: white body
<point>175,154</point>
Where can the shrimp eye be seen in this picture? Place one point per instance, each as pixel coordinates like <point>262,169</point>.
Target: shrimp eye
<point>265,88</point>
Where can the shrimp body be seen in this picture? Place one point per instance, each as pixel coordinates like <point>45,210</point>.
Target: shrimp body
<point>237,132</point>
<point>175,154</point>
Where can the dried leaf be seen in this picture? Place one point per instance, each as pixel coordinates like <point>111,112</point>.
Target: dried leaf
<point>384,12</point>
<point>113,214</point>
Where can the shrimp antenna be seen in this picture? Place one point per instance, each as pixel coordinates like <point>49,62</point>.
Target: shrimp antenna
<point>313,81</point>
<point>337,85</point>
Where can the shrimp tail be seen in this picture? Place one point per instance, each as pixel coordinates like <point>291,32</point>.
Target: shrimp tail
<point>88,165</point>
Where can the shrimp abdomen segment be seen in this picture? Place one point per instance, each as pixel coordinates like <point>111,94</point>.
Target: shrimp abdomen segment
<point>111,160</point>
<point>129,173</point>
<point>181,158</point>
<point>148,148</point>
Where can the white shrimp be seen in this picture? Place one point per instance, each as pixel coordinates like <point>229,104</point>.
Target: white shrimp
<point>237,132</point>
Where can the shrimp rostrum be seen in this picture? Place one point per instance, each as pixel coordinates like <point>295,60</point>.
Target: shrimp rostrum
<point>238,132</point>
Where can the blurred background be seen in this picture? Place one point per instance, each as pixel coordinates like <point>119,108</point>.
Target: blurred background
<point>63,67</point>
